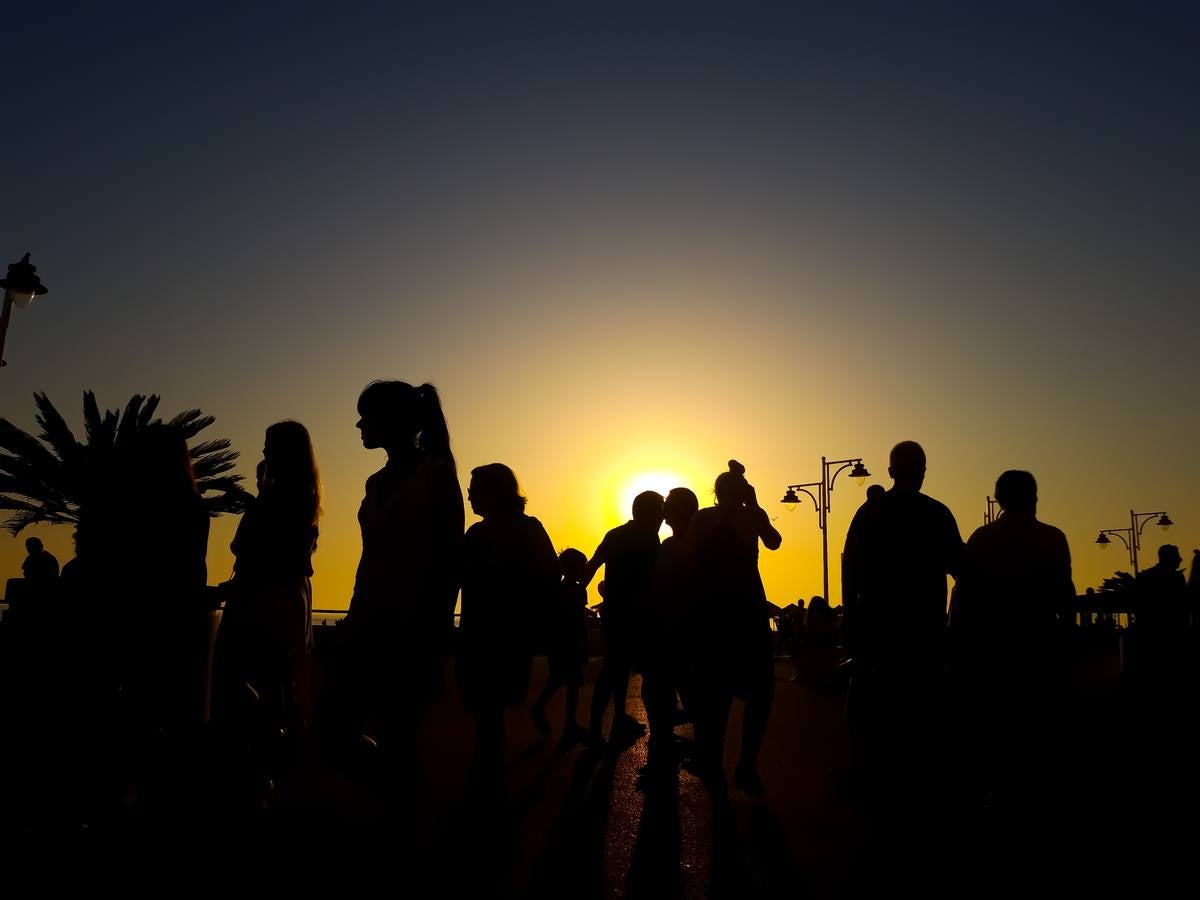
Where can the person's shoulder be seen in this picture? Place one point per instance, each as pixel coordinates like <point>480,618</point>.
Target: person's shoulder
<point>935,505</point>
<point>619,532</point>
<point>533,524</point>
<point>1050,533</point>
<point>983,534</point>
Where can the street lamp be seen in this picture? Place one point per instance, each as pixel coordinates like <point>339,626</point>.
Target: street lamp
<point>821,500</point>
<point>1131,537</point>
<point>993,510</point>
<point>20,287</point>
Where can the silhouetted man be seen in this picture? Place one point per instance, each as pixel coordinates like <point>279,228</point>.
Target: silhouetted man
<point>40,568</point>
<point>899,549</point>
<point>898,552</point>
<point>1162,618</point>
<point>628,553</point>
<point>1014,600</point>
<point>664,659</point>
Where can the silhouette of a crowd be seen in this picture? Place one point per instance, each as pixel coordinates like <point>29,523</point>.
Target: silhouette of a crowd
<point>119,691</point>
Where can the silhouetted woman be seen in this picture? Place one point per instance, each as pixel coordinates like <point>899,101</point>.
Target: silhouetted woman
<point>261,681</point>
<point>733,652</point>
<point>401,613</point>
<point>510,574</point>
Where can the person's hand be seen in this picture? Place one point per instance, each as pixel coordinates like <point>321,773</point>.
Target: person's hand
<point>751,496</point>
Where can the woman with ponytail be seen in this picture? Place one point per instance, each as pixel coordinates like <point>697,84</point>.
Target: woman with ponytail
<point>732,652</point>
<point>402,609</point>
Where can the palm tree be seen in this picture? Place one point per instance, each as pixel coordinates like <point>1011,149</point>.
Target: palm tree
<point>47,479</point>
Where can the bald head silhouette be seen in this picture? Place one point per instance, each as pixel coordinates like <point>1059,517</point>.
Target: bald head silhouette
<point>906,465</point>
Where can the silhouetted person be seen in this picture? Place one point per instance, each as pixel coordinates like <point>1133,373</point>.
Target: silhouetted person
<point>820,624</point>
<point>898,552</point>
<point>509,574</point>
<point>664,654</point>
<point>567,645</point>
<point>261,672</point>
<point>1014,601</point>
<point>401,613</point>
<point>733,651</point>
<point>40,568</point>
<point>627,553</point>
<point>1162,622</point>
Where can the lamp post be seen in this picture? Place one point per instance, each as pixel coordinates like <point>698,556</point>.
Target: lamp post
<point>993,510</point>
<point>1131,537</point>
<point>821,501</point>
<point>20,287</point>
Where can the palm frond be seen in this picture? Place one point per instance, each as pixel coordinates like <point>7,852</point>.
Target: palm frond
<point>53,478</point>
<point>128,426</point>
<point>93,425</point>
<point>214,464</point>
<point>148,411</point>
<point>231,501</point>
<point>55,431</point>
<point>17,523</point>
<point>191,422</point>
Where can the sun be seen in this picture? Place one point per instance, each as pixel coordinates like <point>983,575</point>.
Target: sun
<point>659,481</point>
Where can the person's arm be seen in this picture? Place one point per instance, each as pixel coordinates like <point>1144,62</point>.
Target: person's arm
<point>955,549</point>
<point>767,533</point>
<point>771,538</point>
<point>599,558</point>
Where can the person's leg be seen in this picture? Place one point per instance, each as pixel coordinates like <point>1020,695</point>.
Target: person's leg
<point>537,711</point>
<point>620,689</point>
<point>487,767</point>
<point>601,694</point>
<point>757,712</point>
<point>570,720</point>
<point>658,695</point>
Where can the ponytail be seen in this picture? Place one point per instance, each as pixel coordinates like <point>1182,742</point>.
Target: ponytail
<point>434,436</point>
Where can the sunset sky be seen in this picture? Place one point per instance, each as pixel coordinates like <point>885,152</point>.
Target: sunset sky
<point>627,243</point>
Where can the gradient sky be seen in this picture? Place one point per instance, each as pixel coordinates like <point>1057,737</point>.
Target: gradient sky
<point>624,241</point>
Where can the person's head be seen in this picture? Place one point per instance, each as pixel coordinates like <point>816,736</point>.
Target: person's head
<point>875,493</point>
<point>648,509</point>
<point>572,563</point>
<point>395,415</point>
<point>494,491</point>
<point>679,507</point>
<point>1016,492</point>
<point>289,462</point>
<point>33,545</point>
<point>906,466</point>
<point>731,486</point>
<point>1168,556</point>
<point>819,605</point>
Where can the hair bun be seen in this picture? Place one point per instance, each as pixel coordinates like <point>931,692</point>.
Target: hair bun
<point>736,467</point>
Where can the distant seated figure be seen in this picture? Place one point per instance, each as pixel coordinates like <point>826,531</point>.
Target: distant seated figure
<point>40,567</point>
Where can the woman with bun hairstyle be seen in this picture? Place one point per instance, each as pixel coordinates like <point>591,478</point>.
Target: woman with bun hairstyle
<point>732,652</point>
